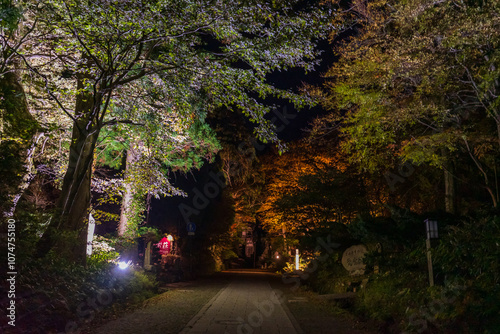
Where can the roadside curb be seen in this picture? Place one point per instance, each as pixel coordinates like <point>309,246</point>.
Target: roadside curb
<point>291,317</point>
<point>200,314</point>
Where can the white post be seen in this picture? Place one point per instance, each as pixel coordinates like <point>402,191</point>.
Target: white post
<point>297,259</point>
<point>90,234</point>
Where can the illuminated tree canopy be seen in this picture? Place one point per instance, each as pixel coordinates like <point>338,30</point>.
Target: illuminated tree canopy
<point>103,63</point>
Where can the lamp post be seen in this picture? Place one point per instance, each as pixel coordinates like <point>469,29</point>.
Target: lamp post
<point>431,228</point>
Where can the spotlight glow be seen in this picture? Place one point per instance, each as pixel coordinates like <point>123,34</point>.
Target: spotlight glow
<point>123,264</point>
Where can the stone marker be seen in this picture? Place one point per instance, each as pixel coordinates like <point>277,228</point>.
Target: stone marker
<point>352,259</point>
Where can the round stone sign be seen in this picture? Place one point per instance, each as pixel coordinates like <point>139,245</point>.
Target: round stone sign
<point>352,259</point>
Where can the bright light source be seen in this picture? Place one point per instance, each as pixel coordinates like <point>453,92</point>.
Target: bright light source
<point>170,238</point>
<point>297,263</point>
<point>123,264</point>
<point>277,256</point>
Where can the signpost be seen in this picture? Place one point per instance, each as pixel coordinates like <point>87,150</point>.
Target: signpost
<point>431,228</point>
<point>191,228</point>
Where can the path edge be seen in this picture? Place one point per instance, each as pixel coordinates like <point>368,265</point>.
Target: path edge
<point>291,317</point>
<point>198,315</point>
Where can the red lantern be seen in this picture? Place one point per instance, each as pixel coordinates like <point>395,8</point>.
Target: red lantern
<point>164,246</point>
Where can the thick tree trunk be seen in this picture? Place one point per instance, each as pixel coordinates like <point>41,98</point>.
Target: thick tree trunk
<point>67,234</point>
<point>125,210</point>
<point>17,128</point>
<point>127,194</point>
<point>30,173</point>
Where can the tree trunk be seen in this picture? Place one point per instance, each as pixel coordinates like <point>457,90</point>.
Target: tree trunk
<point>30,173</point>
<point>67,233</point>
<point>17,128</point>
<point>127,194</point>
<point>449,187</point>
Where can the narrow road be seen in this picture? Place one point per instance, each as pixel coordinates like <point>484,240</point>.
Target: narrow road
<point>233,302</point>
<point>247,305</point>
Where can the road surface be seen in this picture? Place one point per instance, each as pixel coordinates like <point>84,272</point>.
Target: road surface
<point>233,302</point>
<point>247,304</point>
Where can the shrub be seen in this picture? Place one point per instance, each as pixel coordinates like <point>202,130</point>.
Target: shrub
<point>466,297</point>
<point>55,291</point>
<point>102,252</point>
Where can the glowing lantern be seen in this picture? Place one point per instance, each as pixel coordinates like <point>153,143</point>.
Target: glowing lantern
<point>164,246</point>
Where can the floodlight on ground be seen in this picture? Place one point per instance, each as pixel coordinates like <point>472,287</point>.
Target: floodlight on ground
<point>124,265</point>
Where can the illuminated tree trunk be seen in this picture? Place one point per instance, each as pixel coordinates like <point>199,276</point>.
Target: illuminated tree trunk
<point>125,212</point>
<point>67,233</point>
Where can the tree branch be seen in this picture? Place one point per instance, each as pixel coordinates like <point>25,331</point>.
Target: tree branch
<point>124,121</point>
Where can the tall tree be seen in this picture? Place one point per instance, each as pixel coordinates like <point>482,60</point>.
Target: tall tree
<point>221,49</point>
<point>423,92</point>
<point>17,125</point>
<point>308,188</point>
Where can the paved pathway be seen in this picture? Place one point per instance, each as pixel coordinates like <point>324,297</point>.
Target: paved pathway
<point>248,305</point>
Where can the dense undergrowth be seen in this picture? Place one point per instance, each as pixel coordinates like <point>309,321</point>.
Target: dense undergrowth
<point>55,296</point>
<point>466,294</point>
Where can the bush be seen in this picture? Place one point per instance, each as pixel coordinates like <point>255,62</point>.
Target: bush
<point>102,252</point>
<point>55,292</point>
<point>466,297</point>
<point>469,253</point>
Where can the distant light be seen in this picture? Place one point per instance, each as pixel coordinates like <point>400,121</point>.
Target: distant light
<point>277,256</point>
<point>170,238</point>
<point>297,262</point>
<point>123,264</point>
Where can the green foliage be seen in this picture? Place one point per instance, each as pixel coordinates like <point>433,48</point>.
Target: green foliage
<point>55,288</point>
<point>466,295</point>
<point>138,286</point>
<point>398,229</point>
<point>124,245</point>
<point>9,15</point>
<point>290,266</point>
<point>387,297</point>
<point>149,233</point>
<point>152,71</point>
<point>469,252</point>
<point>136,215</point>
<point>29,227</point>
<point>17,128</point>
<point>102,252</point>
<point>113,143</point>
<point>330,278</point>
<point>229,254</point>
<point>420,91</point>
